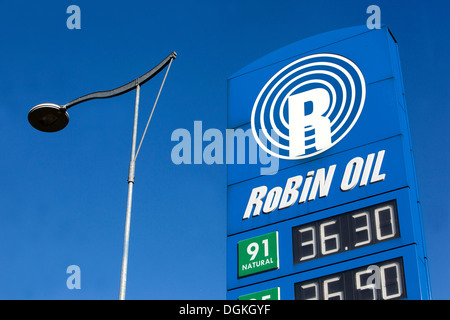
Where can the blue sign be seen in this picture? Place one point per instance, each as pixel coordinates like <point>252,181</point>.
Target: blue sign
<point>342,198</point>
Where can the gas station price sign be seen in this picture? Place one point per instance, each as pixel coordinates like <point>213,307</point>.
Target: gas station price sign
<point>337,215</point>
<point>345,232</point>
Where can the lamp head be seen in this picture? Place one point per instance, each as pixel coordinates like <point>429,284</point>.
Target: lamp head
<point>48,117</point>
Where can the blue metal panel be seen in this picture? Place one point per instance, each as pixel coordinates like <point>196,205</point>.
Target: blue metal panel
<point>392,166</point>
<point>414,271</point>
<point>373,125</point>
<point>407,215</point>
<point>368,49</point>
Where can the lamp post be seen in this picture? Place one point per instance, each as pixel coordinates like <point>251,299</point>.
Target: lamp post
<point>50,117</point>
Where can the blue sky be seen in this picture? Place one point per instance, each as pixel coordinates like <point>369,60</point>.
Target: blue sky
<point>64,194</point>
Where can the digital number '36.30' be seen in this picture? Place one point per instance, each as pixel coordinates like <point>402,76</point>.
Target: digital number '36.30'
<point>345,232</point>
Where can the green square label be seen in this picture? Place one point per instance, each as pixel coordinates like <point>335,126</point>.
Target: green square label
<point>258,254</point>
<point>269,294</point>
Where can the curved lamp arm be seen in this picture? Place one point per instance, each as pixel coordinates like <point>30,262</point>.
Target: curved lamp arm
<point>126,87</point>
<point>50,117</point>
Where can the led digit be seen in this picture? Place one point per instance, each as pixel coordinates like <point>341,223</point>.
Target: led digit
<point>384,229</point>
<point>362,284</point>
<point>391,288</point>
<point>327,295</point>
<point>324,238</point>
<point>307,288</point>
<point>311,243</point>
<point>365,228</point>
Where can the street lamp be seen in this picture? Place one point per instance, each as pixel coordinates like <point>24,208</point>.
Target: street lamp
<point>50,117</point>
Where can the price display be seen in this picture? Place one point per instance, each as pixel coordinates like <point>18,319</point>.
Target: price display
<point>345,232</point>
<point>380,281</point>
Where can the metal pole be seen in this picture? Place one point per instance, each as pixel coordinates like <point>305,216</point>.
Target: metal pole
<point>123,275</point>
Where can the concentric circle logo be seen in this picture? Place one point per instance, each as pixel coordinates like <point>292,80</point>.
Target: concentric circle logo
<point>308,106</point>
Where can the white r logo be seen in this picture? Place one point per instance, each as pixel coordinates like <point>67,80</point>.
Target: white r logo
<point>309,105</point>
<point>299,122</point>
